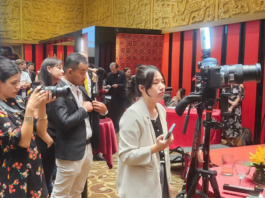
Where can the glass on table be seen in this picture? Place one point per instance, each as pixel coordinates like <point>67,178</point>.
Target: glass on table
<point>227,165</point>
<point>242,169</point>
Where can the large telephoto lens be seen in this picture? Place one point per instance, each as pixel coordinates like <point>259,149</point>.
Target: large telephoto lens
<point>237,74</point>
<point>58,91</point>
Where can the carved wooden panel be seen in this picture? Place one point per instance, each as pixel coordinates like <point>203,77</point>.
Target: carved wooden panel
<point>98,13</point>
<point>10,19</point>
<point>172,13</point>
<point>44,19</point>
<point>132,13</point>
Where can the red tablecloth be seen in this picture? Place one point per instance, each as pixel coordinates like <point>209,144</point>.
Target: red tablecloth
<point>185,140</point>
<point>108,143</point>
<point>240,153</point>
<point>234,180</point>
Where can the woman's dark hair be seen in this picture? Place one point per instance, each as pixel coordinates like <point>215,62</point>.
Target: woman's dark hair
<point>44,75</point>
<point>145,76</point>
<point>8,68</point>
<point>126,69</point>
<point>100,74</point>
<point>182,92</point>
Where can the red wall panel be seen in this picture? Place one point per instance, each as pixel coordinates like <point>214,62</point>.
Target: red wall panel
<point>28,52</point>
<point>70,50</point>
<point>232,44</point>
<point>49,50</point>
<point>187,61</point>
<point>198,50</point>
<point>262,138</point>
<point>164,67</point>
<point>216,42</point>
<point>251,57</point>
<point>175,63</point>
<point>39,56</point>
<point>60,52</point>
<point>133,49</point>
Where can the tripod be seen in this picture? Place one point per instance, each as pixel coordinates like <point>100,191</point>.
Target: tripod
<point>195,173</point>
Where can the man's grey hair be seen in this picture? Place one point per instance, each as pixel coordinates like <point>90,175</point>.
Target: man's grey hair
<point>113,63</point>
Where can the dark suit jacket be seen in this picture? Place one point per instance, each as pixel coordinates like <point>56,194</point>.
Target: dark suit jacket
<point>33,76</point>
<point>71,127</point>
<point>119,93</point>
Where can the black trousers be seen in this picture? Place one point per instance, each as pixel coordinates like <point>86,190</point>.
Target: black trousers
<point>117,108</point>
<point>48,162</point>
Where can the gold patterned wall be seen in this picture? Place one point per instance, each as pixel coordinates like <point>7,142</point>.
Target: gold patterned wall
<point>30,20</point>
<point>161,14</point>
<point>34,20</point>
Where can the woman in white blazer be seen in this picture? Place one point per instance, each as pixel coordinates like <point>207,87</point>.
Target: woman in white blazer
<point>144,166</point>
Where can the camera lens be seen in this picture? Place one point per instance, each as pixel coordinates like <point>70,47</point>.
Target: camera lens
<point>62,91</point>
<point>237,74</point>
<point>58,91</point>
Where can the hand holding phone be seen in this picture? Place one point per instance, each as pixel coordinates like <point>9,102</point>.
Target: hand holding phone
<point>170,131</point>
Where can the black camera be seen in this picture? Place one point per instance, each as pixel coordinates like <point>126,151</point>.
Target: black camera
<point>212,77</point>
<point>56,91</point>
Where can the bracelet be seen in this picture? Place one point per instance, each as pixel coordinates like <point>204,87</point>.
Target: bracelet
<point>45,118</point>
<point>29,119</point>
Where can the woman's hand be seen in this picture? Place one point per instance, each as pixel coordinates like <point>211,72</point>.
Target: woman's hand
<point>48,97</point>
<point>161,144</point>
<point>106,90</point>
<point>36,98</point>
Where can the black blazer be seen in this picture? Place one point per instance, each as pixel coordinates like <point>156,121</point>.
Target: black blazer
<point>118,93</point>
<point>71,127</point>
<point>33,76</point>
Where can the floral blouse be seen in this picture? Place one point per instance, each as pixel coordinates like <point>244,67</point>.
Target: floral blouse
<point>21,172</point>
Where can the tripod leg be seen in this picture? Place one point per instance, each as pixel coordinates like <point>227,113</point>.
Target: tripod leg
<point>193,186</point>
<point>215,187</point>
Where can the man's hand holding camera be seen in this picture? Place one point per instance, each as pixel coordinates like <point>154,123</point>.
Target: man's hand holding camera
<point>99,107</point>
<point>95,105</point>
<point>88,106</point>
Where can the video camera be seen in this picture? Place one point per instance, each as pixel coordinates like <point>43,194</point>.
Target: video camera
<point>212,77</point>
<point>56,91</point>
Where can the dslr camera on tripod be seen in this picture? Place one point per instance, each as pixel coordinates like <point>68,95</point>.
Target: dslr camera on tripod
<point>210,78</point>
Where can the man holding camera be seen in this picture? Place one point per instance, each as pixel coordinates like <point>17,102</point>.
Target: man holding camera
<point>77,118</point>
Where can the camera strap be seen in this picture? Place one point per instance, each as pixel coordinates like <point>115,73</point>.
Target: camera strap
<point>8,108</point>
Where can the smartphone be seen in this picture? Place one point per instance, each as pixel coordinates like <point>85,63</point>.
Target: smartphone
<point>170,131</point>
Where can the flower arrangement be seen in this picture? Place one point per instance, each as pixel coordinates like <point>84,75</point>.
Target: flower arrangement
<point>258,160</point>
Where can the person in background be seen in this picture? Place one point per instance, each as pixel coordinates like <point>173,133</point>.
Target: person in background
<point>50,75</point>
<point>144,164</point>
<point>117,80</point>
<point>77,130</point>
<point>89,85</point>
<point>27,66</point>
<point>91,78</point>
<point>134,93</point>
<point>31,72</point>
<point>129,91</point>
<point>25,81</point>
<point>179,96</point>
<point>235,108</point>
<point>101,85</point>
<point>20,161</point>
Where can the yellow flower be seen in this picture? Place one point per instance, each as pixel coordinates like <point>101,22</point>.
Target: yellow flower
<point>259,157</point>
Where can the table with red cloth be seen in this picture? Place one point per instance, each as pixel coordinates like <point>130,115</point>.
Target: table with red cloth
<point>108,143</point>
<point>185,140</point>
<point>232,180</point>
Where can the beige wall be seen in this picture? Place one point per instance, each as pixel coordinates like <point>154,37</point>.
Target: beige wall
<point>33,20</point>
